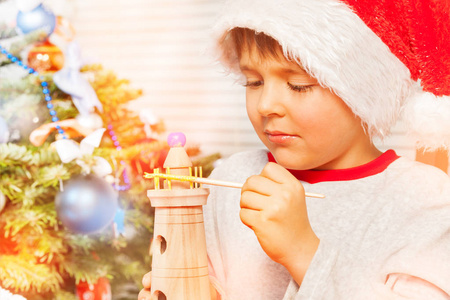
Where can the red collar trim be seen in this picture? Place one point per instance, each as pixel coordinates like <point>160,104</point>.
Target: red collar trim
<point>374,167</point>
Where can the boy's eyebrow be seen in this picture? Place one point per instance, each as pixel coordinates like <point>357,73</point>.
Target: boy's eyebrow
<point>291,70</point>
<point>281,70</point>
<point>244,68</point>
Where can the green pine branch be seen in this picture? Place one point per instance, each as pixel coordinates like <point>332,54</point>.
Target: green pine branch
<point>45,260</point>
<point>20,273</point>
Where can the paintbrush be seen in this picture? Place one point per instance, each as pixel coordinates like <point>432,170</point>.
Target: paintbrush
<point>210,182</point>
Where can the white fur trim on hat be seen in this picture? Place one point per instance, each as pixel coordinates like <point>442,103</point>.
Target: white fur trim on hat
<point>333,45</point>
<point>427,118</point>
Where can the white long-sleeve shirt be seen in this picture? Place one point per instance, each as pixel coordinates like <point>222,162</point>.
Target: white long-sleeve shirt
<point>384,231</point>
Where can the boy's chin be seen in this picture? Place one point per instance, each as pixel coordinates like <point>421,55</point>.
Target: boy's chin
<point>292,160</point>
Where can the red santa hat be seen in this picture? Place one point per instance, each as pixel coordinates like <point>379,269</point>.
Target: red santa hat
<point>384,58</point>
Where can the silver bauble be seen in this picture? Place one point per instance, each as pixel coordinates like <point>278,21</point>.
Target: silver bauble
<point>87,205</point>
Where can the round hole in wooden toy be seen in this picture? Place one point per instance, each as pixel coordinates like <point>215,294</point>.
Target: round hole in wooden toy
<point>161,244</point>
<point>158,295</point>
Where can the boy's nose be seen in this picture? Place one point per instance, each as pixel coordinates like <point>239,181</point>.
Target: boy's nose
<point>270,103</point>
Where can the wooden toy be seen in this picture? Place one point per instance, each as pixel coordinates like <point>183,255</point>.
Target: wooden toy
<point>179,263</point>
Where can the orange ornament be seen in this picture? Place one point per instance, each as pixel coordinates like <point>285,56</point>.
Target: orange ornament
<point>64,29</point>
<point>71,127</point>
<point>101,290</point>
<point>46,57</point>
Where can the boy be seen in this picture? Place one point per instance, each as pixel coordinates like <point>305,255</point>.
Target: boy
<point>320,85</point>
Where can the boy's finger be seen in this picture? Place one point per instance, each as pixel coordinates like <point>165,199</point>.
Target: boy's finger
<point>276,172</point>
<point>260,184</point>
<point>249,217</point>
<point>147,280</point>
<point>280,175</point>
<point>144,295</point>
<point>252,200</point>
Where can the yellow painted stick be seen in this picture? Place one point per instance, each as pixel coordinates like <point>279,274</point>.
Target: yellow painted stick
<point>210,182</point>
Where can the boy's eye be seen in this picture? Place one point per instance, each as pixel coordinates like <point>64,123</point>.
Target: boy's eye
<point>300,88</point>
<point>256,83</point>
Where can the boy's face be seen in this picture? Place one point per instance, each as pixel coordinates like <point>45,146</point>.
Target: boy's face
<point>304,125</point>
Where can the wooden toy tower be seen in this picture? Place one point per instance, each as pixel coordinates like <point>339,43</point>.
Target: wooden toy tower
<point>179,263</point>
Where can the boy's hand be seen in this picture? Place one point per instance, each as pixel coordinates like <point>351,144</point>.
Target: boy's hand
<point>145,293</point>
<point>273,206</point>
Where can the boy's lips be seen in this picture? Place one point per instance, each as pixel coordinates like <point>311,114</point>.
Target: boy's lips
<point>278,137</point>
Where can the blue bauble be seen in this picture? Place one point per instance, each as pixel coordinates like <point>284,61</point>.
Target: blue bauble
<point>88,204</point>
<point>38,18</point>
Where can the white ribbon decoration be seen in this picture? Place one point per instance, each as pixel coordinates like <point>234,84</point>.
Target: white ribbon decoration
<point>147,117</point>
<point>4,131</point>
<point>2,202</point>
<point>71,81</point>
<point>27,5</point>
<point>68,150</point>
<point>7,295</point>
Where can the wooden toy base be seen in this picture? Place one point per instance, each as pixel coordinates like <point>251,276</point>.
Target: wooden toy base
<point>180,288</point>
<point>179,264</point>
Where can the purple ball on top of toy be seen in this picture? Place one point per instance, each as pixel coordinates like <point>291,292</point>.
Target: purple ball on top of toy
<point>176,139</point>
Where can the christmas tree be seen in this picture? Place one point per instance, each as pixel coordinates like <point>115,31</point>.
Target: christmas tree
<point>74,216</point>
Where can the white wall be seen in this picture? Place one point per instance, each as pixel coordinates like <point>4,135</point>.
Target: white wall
<point>159,45</point>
